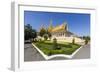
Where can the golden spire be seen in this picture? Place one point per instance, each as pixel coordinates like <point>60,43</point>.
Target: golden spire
<point>50,26</point>
<point>66,25</point>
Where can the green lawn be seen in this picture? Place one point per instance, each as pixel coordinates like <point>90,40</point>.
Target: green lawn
<point>66,48</point>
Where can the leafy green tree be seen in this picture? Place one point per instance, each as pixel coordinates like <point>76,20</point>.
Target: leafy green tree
<point>29,33</point>
<point>26,33</point>
<point>87,39</point>
<point>34,34</point>
<point>84,37</point>
<point>42,32</point>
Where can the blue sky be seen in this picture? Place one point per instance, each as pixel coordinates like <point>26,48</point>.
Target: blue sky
<point>78,23</point>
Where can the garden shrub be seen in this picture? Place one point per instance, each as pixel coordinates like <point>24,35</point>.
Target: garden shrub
<point>55,43</point>
<point>45,36</point>
<point>58,47</point>
<point>73,41</point>
<point>86,41</point>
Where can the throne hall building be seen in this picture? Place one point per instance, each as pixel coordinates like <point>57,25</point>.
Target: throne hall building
<point>61,33</point>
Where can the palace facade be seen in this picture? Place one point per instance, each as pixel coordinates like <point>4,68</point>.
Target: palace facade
<point>61,33</point>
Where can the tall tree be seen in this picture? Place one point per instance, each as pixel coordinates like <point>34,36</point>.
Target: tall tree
<point>29,33</point>
<point>42,32</point>
<point>34,34</point>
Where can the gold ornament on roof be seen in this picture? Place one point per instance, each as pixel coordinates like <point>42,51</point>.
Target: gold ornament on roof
<point>59,28</point>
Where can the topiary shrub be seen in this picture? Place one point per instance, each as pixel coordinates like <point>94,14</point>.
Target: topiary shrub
<point>86,41</point>
<point>55,43</point>
<point>73,41</point>
<point>58,47</point>
<point>45,36</point>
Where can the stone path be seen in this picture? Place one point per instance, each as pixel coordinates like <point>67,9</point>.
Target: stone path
<point>84,53</point>
<point>31,54</point>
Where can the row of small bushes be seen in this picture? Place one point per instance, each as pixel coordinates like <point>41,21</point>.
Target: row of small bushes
<point>56,46</point>
<point>52,52</point>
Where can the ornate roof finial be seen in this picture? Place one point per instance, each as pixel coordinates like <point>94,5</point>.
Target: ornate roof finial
<point>50,26</point>
<point>66,25</point>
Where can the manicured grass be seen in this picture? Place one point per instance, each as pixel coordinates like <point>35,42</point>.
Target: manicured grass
<point>47,48</point>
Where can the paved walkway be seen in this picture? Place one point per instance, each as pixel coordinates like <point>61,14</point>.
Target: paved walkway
<point>84,53</point>
<point>31,54</point>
